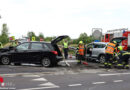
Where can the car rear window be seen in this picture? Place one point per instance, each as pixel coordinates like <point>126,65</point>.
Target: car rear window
<point>50,46</point>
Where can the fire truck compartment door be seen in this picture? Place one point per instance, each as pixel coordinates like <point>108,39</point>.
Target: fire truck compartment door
<point>129,40</point>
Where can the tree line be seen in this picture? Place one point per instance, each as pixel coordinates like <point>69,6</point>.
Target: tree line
<point>4,36</point>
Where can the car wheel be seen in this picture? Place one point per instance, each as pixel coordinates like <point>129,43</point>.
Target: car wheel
<point>102,59</point>
<point>5,60</point>
<point>46,62</point>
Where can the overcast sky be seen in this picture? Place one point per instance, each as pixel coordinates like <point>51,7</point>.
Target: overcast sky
<point>59,17</point>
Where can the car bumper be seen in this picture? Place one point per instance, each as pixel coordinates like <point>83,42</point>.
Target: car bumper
<point>59,58</point>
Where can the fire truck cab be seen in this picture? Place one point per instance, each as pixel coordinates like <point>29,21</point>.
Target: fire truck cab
<point>122,36</point>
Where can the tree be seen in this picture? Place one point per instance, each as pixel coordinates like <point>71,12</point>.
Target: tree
<point>31,34</point>
<point>4,38</point>
<point>83,37</point>
<point>48,38</point>
<point>41,35</point>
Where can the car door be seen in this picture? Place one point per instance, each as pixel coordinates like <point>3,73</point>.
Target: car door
<point>20,54</point>
<point>95,50</point>
<point>36,51</point>
<point>88,49</point>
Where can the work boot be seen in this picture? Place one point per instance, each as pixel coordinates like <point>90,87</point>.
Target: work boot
<point>120,67</point>
<point>126,67</point>
<point>105,66</point>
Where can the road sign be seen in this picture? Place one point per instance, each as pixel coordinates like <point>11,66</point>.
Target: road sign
<point>41,39</point>
<point>12,38</point>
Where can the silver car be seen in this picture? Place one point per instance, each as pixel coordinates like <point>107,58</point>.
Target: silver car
<point>96,51</point>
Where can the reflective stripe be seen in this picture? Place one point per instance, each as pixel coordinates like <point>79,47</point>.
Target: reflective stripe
<point>119,65</point>
<point>105,63</point>
<point>78,61</point>
<point>109,64</point>
<point>127,53</point>
<point>81,49</point>
<point>127,65</point>
<point>111,46</point>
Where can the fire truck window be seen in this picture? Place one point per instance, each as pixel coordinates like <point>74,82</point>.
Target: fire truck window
<point>106,35</point>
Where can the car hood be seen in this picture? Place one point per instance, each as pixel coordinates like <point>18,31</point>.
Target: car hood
<point>119,39</point>
<point>6,49</point>
<point>58,39</point>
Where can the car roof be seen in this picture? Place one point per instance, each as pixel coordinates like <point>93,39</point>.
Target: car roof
<point>36,42</point>
<point>99,43</point>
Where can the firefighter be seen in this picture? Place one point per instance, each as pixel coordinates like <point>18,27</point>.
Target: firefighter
<point>81,52</point>
<point>1,46</point>
<point>14,43</point>
<point>123,58</point>
<point>110,49</point>
<point>65,48</point>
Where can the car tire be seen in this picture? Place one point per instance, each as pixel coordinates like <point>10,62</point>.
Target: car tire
<point>46,62</point>
<point>102,59</point>
<point>5,60</point>
<point>17,64</point>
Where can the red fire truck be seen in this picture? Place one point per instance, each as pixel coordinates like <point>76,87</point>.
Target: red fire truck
<point>122,36</point>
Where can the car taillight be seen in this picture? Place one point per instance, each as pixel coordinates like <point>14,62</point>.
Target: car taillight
<point>55,52</point>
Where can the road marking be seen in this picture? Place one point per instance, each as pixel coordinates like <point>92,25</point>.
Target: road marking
<point>98,82</point>
<point>40,79</point>
<point>72,85</point>
<point>118,81</point>
<point>113,74</point>
<point>48,84</point>
<point>69,61</point>
<point>30,75</point>
<point>41,88</point>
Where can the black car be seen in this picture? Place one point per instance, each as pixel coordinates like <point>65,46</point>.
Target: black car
<point>47,54</point>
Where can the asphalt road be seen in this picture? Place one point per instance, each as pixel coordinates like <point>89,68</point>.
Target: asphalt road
<point>91,77</point>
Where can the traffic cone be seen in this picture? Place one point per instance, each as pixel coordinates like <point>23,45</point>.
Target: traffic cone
<point>2,81</point>
<point>70,56</point>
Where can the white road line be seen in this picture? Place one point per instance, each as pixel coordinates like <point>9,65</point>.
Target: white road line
<point>39,79</point>
<point>69,61</point>
<point>113,74</point>
<point>48,84</point>
<point>72,85</point>
<point>41,88</point>
<point>118,81</point>
<point>98,82</point>
<point>30,75</point>
<point>15,74</point>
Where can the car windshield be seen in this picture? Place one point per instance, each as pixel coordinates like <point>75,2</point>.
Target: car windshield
<point>117,40</point>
